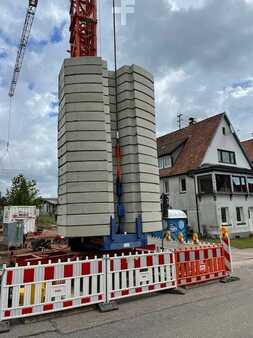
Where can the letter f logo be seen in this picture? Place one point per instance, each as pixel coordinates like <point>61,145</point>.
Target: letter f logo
<point>127,7</point>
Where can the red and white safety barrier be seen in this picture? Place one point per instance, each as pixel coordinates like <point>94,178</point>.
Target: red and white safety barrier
<point>225,241</point>
<point>140,273</point>
<point>40,289</point>
<point>200,264</point>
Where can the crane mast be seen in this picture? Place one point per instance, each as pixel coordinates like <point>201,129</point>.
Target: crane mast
<point>23,44</point>
<point>83,28</point>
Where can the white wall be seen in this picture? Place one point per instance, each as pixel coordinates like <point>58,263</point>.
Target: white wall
<point>183,201</point>
<point>225,142</point>
<point>210,211</point>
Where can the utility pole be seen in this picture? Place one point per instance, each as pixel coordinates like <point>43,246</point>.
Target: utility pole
<point>179,120</point>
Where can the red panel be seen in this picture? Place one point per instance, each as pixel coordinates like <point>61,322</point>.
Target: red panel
<point>150,260</point>
<point>48,307</point>
<point>86,300</point>
<point>214,252</point>
<point>163,285</point>
<point>27,310</point>
<point>28,275</point>
<point>68,270</point>
<point>206,253</point>
<point>123,264</point>
<point>161,259</point>
<point>7,313</point>
<point>151,287</point>
<point>49,273</point>
<point>112,294</point>
<point>187,256</point>
<point>125,292</point>
<point>83,28</point>
<point>86,268</point>
<point>137,262</point>
<point>9,277</point>
<point>197,254</point>
<point>138,290</point>
<point>100,297</point>
<point>67,303</point>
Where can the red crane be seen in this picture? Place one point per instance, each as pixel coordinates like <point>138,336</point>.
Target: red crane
<point>83,28</point>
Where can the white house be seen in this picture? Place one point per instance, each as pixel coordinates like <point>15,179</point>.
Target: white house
<point>49,207</point>
<point>206,172</point>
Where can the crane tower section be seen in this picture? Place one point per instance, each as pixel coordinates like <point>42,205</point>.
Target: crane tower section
<point>83,28</point>
<point>23,44</point>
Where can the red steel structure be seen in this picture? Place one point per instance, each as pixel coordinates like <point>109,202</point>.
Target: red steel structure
<point>83,28</point>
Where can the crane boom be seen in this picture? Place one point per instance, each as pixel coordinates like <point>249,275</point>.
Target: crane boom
<point>23,44</point>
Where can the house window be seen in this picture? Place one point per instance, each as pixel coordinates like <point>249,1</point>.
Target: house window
<point>164,162</point>
<point>223,130</point>
<point>226,156</point>
<point>205,184</point>
<point>223,183</point>
<point>160,163</point>
<point>183,184</point>
<point>224,215</point>
<point>239,215</point>
<point>166,186</point>
<point>239,184</point>
<point>250,184</point>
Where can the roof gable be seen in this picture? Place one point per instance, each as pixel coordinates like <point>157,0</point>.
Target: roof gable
<point>226,139</point>
<point>248,147</point>
<point>196,139</point>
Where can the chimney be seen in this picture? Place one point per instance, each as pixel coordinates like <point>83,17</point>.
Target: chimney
<point>191,121</point>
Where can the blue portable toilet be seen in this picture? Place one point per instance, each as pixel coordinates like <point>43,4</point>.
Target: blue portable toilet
<point>175,223</point>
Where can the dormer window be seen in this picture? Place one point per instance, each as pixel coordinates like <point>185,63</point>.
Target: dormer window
<point>164,162</point>
<point>226,156</point>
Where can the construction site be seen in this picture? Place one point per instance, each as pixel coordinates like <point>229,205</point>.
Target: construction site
<point>112,238</point>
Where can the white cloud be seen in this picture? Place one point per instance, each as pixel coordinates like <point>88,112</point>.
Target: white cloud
<point>177,5</point>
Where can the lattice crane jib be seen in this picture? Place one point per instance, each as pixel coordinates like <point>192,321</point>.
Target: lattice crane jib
<point>23,44</point>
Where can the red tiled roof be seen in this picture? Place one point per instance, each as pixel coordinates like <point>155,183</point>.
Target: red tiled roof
<point>248,147</point>
<point>194,139</point>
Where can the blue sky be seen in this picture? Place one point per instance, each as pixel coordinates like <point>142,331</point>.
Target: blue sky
<point>200,52</point>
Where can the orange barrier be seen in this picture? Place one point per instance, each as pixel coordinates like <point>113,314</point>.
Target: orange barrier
<point>196,265</point>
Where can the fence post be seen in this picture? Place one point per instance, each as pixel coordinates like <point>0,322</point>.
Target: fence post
<point>4,326</point>
<point>107,305</point>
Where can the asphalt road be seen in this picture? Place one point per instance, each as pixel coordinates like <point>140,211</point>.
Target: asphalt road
<point>215,310</point>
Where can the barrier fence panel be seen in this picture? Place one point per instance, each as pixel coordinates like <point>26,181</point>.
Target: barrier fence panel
<point>40,289</point>
<point>140,273</point>
<point>200,264</point>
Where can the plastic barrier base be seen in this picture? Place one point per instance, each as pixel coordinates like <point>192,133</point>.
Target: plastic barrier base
<point>108,307</point>
<point>4,326</point>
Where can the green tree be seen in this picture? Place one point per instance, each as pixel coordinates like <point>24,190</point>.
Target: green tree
<point>23,192</point>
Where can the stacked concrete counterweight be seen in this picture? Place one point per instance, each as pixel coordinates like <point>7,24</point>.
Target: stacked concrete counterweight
<point>84,149</point>
<point>136,125</point>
